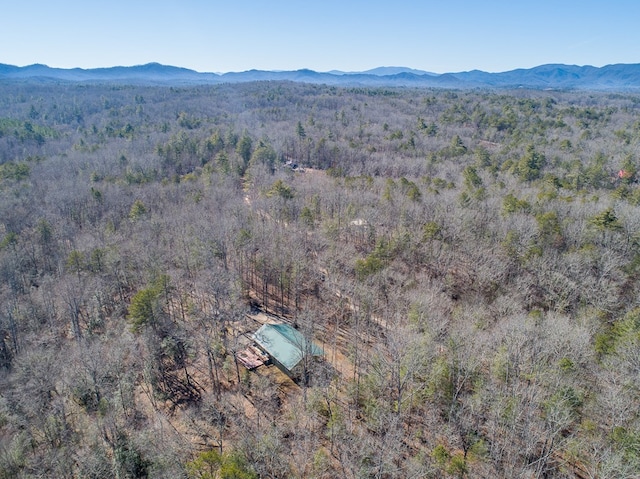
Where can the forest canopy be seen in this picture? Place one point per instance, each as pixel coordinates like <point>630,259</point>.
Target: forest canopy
<point>468,261</point>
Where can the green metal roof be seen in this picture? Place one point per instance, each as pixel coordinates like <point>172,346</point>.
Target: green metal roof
<point>284,344</point>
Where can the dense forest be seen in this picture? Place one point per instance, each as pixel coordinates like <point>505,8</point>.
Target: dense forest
<point>469,262</point>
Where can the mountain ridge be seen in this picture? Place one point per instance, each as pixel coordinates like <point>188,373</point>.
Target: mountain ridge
<point>547,76</point>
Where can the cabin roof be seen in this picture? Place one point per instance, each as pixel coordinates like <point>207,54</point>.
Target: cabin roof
<point>285,344</point>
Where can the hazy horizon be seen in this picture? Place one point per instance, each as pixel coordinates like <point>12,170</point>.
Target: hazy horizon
<point>358,36</point>
<point>331,71</point>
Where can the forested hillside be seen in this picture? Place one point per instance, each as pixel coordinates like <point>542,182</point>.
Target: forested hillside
<point>469,262</point>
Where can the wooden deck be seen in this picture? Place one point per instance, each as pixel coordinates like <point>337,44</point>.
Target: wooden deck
<point>251,357</point>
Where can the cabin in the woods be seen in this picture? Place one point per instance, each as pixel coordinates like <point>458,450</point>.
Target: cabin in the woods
<point>287,348</point>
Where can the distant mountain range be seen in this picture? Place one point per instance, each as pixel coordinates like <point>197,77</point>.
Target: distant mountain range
<point>617,77</point>
<point>384,71</point>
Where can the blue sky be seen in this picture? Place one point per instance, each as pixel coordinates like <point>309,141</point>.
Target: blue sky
<point>237,35</point>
